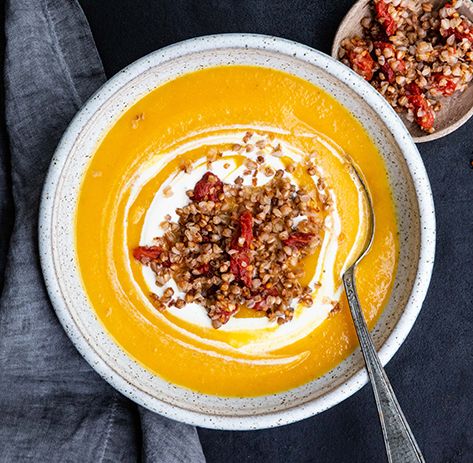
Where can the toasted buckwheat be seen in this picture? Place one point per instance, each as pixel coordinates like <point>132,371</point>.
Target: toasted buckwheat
<point>238,246</point>
<point>413,55</point>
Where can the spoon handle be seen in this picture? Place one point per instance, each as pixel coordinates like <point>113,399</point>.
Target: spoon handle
<point>401,446</point>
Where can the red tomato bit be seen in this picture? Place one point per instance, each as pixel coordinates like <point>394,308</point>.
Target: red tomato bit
<point>444,84</point>
<point>423,113</point>
<point>387,67</point>
<point>204,269</point>
<point>385,18</point>
<point>299,240</point>
<point>240,262</point>
<point>208,188</point>
<point>362,63</point>
<point>241,267</point>
<point>145,254</point>
<point>246,229</point>
<point>413,89</point>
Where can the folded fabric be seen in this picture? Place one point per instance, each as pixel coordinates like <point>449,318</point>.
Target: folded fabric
<point>53,406</point>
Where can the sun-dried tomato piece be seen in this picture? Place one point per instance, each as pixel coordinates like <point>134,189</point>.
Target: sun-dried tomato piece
<point>463,31</point>
<point>467,32</point>
<point>381,45</point>
<point>299,240</point>
<point>444,84</point>
<point>362,63</point>
<point>203,269</point>
<point>400,66</point>
<point>246,228</point>
<point>413,89</point>
<point>391,64</point>
<point>245,231</point>
<point>388,72</point>
<point>240,261</point>
<point>384,17</point>
<point>425,118</point>
<point>423,113</point>
<point>260,305</point>
<point>240,266</point>
<point>208,188</point>
<point>146,254</point>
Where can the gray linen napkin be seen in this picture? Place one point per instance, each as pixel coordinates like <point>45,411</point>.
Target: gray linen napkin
<point>53,406</point>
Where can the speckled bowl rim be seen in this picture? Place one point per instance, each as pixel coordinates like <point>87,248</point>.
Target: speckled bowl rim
<point>416,170</point>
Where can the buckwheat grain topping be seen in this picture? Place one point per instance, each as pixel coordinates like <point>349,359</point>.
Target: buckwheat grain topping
<point>238,245</point>
<point>413,55</point>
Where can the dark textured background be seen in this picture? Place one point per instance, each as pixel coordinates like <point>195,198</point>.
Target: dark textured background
<point>432,372</point>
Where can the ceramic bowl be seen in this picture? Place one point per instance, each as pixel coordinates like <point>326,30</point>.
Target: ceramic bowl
<point>456,110</point>
<point>411,193</point>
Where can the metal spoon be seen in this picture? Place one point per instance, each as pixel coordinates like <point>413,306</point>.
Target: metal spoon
<point>401,446</point>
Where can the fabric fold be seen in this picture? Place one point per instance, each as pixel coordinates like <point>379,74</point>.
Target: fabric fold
<point>54,406</point>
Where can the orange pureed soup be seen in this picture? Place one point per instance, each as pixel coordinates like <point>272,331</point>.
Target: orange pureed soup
<point>121,206</point>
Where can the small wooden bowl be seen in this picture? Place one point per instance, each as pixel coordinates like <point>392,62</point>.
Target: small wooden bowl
<point>456,110</point>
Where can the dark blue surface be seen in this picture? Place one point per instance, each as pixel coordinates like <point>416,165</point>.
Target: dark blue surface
<point>432,372</point>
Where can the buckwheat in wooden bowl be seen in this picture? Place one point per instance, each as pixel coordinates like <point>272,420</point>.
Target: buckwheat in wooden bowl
<point>197,217</point>
<point>419,55</point>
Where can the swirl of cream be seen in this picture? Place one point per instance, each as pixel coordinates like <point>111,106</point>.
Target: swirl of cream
<point>251,335</point>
